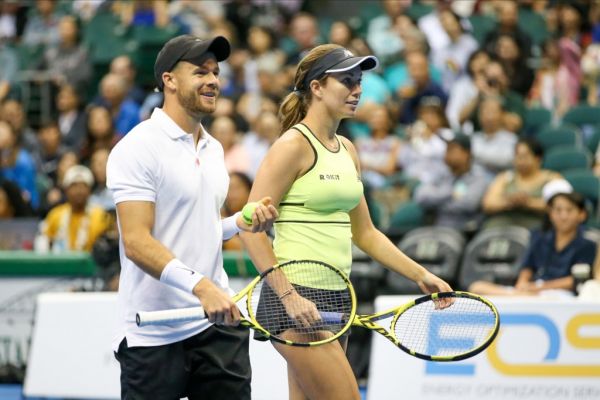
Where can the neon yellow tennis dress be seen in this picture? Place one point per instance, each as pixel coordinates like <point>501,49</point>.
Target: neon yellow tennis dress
<point>313,222</point>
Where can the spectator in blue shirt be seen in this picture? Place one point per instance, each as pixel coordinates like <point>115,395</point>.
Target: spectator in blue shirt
<point>113,95</point>
<point>420,86</point>
<point>551,252</point>
<point>17,165</point>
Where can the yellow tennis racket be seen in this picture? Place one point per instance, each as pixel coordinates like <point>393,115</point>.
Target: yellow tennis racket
<point>325,286</point>
<point>424,330</point>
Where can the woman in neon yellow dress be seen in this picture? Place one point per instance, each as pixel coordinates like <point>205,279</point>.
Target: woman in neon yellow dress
<point>313,176</point>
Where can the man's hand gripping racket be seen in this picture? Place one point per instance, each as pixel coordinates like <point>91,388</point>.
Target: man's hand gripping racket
<point>284,305</point>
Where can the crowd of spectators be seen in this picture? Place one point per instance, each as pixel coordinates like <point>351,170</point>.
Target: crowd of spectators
<point>447,116</point>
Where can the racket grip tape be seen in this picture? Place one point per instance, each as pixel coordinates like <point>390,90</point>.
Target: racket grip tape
<point>144,318</point>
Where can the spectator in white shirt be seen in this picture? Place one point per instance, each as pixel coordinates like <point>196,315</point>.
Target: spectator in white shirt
<point>464,90</point>
<point>452,59</point>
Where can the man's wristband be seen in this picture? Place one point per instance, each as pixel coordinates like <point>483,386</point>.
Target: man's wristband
<point>230,226</point>
<point>178,275</point>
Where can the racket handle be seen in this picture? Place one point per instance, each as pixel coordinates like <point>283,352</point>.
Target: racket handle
<point>162,317</point>
<point>333,318</point>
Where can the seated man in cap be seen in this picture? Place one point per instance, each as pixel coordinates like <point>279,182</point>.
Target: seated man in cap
<point>76,225</point>
<point>554,250</point>
<point>456,195</point>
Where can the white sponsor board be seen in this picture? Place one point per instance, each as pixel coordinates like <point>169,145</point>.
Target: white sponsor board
<point>71,354</point>
<point>546,349</point>
<point>17,303</point>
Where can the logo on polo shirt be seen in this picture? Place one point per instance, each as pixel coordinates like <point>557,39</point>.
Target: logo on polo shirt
<point>329,177</point>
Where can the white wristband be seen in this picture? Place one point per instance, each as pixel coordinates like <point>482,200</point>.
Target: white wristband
<point>230,226</point>
<point>178,275</point>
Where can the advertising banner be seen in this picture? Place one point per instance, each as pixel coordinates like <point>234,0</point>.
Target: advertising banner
<point>546,349</point>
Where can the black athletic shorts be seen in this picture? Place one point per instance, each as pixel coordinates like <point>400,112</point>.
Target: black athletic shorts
<point>213,364</point>
<point>268,296</point>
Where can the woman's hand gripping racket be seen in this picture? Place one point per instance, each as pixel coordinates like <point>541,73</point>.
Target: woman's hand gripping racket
<point>424,329</point>
<point>298,303</point>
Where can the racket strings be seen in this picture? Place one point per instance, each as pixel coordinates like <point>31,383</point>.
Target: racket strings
<point>308,313</point>
<point>458,329</point>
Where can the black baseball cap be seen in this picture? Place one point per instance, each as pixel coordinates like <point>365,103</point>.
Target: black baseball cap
<point>337,60</point>
<point>188,48</point>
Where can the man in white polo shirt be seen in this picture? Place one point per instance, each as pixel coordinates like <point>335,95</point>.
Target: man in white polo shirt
<point>168,180</point>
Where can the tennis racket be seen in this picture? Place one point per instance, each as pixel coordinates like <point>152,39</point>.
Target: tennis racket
<point>323,285</point>
<point>420,328</point>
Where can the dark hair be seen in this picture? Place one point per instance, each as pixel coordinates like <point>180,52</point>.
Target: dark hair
<point>351,32</point>
<point>244,178</point>
<point>270,34</point>
<point>533,145</point>
<point>49,123</point>
<point>472,58</point>
<point>574,198</point>
<point>20,207</point>
<point>456,17</point>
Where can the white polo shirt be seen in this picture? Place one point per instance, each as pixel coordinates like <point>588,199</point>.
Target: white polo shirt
<point>158,162</point>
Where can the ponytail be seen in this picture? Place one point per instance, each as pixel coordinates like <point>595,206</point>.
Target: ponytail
<point>292,110</point>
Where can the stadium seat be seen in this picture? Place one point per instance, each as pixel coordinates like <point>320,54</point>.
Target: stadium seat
<point>366,275</point>
<point>482,25</point>
<point>586,117</point>
<point>437,248</point>
<point>417,10</point>
<point>408,216</point>
<point>149,40</point>
<point>30,56</point>
<point>582,115</point>
<point>535,119</point>
<point>565,158</point>
<point>592,139</point>
<point>366,13</point>
<point>534,25</point>
<point>494,255</point>
<point>563,135</point>
<point>106,38</point>
<point>584,182</point>
<point>588,185</point>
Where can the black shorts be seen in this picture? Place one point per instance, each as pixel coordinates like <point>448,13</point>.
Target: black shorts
<point>268,296</point>
<point>213,364</point>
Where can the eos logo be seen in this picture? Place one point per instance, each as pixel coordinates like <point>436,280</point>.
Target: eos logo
<point>551,365</point>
